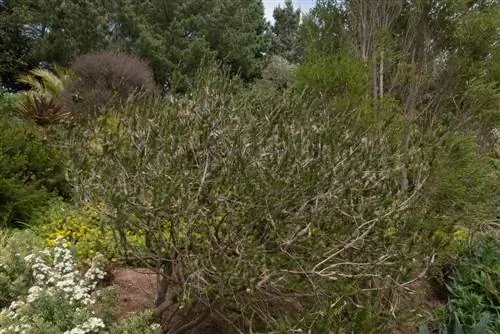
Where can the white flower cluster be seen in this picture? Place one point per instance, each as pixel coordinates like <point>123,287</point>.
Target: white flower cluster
<point>54,272</point>
<point>90,326</point>
<point>62,275</point>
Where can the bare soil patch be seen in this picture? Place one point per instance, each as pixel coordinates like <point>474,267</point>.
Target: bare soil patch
<point>136,290</point>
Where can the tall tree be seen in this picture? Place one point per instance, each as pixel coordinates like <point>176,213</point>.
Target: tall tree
<point>285,33</point>
<point>176,35</point>
<point>323,29</point>
<point>423,53</point>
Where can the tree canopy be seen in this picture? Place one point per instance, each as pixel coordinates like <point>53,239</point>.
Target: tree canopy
<point>173,36</point>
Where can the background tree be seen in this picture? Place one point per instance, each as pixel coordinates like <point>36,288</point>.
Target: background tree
<point>423,65</point>
<point>174,36</point>
<point>323,29</point>
<point>285,40</point>
<point>47,32</point>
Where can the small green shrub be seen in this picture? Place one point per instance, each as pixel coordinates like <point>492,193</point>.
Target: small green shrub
<point>463,189</point>
<point>335,77</point>
<point>7,101</point>
<point>31,171</point>
<point>14,273</point>
<point>85,228</point>
<point>474,290</point>
<point>475,285</point>
<point>139,323</point>
<point>279,72</point>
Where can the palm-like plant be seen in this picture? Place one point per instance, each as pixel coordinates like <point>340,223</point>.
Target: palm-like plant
<point>40,103</point>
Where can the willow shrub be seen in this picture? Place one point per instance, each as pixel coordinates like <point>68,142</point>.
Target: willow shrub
<point>273,214</point>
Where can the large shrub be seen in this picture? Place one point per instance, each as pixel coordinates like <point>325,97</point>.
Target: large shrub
<point>105,79</point>
<point>282,214</point>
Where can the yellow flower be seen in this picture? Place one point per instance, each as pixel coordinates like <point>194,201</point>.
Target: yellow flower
<point>461,233</point>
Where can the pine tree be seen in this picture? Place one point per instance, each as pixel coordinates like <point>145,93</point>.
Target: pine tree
<point>285,39</point>
<point>175,36</point>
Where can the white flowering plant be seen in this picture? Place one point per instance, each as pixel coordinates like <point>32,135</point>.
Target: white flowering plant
<point>61,300</point>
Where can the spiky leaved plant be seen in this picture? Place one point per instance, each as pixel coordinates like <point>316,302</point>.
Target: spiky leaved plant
<point>40,103</point>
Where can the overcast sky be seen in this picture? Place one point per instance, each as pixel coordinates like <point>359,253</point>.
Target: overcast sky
<point>269,5</point>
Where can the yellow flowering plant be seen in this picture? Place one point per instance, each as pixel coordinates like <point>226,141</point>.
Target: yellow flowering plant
<point>83,227</point>
<point>86,229</point>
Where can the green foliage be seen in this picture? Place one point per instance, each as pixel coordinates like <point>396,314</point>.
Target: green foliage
<point>15,276</point>
<point>7,101</point>
<point>173,37</point>
<point>49,32</point>
<point>31,171</point>
<point>309,201</point>
<point>464,186</point>
<point>285,41</point>
<point>339,77</point>
<point>279,72</point>
<point>176,36</point>
<point>474,287</point>
<point>323,29</point>
<point>138,323</point>
<point>85,228</point>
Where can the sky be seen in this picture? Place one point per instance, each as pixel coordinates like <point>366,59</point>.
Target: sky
<point>269,6</point>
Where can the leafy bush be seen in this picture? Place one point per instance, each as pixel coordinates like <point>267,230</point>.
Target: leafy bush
<point>61,299</point>
<point>105,79</point>
<point>335,77</point>
<point>31,171</point>
<point>86,229</point>
<point>277,209</point>
<point>7,101</point>
<point>14,273</point>
<point>474,287</point>
<point>140,323</point>
<point>279,71</point>
<point>463,187</point>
